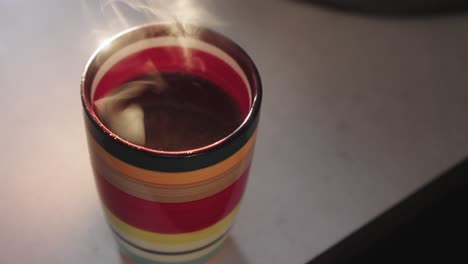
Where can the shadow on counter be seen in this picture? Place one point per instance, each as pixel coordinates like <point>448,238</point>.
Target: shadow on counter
<point>430,225</point>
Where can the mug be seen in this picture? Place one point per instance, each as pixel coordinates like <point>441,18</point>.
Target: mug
<point>171,206</point>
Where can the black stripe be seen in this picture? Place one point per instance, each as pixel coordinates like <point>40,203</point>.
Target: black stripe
<point>170,253</point>
<point>171,163</point>
<point>167,163</point>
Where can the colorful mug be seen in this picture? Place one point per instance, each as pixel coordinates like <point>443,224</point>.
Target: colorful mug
<point>171,206</point>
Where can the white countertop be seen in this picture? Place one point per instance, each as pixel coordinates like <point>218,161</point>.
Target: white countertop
<point>358,112</point>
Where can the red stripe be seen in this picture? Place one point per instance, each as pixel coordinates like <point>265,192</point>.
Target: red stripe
<point>170,59</point>
<point>170,218</point>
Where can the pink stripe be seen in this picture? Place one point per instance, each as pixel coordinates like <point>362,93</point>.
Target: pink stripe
<point>171,218</point>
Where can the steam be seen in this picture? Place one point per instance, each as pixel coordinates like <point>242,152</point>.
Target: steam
<point>128,13</point>
<point>178,11</point>
<point>124,117</point>
<point>107,17</point>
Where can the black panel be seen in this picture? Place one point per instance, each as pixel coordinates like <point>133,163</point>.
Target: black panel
<point>398,7</point>
<point>430,225</point>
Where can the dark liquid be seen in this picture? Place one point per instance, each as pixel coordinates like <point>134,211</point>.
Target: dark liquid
<point>183,111</point>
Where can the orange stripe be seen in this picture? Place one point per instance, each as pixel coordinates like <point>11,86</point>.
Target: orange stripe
<point>171,193</point>
<point>171,178</point>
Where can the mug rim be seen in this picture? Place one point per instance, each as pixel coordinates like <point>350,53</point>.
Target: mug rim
<point>248,120</point>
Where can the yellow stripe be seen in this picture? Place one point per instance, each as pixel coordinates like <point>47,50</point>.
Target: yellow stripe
<point>183,258</point>
<point>173,239</point>
<point>172,178</point>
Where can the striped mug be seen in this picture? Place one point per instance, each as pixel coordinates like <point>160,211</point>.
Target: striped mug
<point>171,206</point>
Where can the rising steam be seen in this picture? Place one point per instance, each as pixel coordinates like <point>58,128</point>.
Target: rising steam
<point>178,11</point>
<point>108,17</point>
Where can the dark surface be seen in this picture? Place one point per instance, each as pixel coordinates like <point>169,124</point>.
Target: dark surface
<point>429,225</point>
<point>398,7</point>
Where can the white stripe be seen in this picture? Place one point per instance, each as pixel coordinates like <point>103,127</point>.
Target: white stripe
<point>164,42</point>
